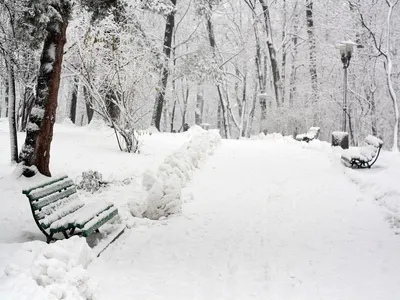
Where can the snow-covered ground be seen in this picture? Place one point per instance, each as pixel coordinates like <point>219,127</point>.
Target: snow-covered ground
<point>268,218</point>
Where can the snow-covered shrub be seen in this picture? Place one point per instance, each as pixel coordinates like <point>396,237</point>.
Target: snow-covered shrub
<point>91,181</point>
<point>164,187</point>
<point>60,268</point>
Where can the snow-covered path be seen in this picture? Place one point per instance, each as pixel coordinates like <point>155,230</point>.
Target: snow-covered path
<point>263,220</point>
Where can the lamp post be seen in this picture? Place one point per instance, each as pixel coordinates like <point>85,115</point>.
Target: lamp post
<point>346,51</point>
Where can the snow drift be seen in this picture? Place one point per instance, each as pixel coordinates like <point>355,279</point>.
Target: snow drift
<point>163,189</point>
<point>58,271</point>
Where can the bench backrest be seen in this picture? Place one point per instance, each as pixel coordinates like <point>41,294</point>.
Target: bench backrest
<point>52,200</point>
<point>373,141</point>
<point>313,132</point>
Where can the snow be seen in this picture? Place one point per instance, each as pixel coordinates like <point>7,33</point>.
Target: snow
<point>262,219</point>
<point>81,215</point>
<point>32,127</point>
<point>37,112</point>
<point>164,187</point>
<point>374,141</point>
<point>259,218</point>
<point>51,52</point>
<point>339,134</point>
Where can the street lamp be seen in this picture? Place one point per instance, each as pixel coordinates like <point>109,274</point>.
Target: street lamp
<point>346,51</point>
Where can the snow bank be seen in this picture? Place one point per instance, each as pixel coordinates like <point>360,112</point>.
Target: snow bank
<point>262,136</point>
<point>164,187</point>
<point>58,271</point>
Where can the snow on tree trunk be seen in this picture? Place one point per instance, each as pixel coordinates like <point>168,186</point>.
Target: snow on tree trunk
<point>283,65</point>
<point>39,131</point>
<point>312,52</point>
<point>389,68</point>
<point>159,102</point>
<point>272,54</point>
<point>293,71</point>
<point>12,113</point>
<point>198,114</point>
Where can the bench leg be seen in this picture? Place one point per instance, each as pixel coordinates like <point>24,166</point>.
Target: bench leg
<point>65,234</point>
<point>49,238</point>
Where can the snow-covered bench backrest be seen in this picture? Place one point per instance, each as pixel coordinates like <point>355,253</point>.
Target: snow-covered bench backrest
<point>373,141</point>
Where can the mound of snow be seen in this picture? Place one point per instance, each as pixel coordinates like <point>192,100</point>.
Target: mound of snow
<point>58,271</point>
<point>164,188</point>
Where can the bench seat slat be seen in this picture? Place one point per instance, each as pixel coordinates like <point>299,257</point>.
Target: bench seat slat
<point>50,189</point>
<point>61,212</point>
<point>99,220</point>
<point>51,180</point>
<point>59,205</point>
<point>81,217</point>
<point>55,197</point>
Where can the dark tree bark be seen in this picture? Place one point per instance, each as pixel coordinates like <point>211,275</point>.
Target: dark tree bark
<point>88,101</point>
<point>39,134</point>
<point>158,106</point>
<point>7,96</point>
<point>221,107</point>
<point>74,100</point>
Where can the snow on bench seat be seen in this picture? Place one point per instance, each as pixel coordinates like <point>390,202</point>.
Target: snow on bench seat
<point>80,217</point>
<point>60,210</point>
<point>365,154</point>
<point>41,192</point>
<point>55,197</point>
<point>99,220</point>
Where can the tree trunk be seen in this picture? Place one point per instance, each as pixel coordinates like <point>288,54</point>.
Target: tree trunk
<point>88,104</point>
<point>12,113</point>
<point>198,114</point>
<point>158,105</point>
<point>261,80</point>
<point>312,53</point>
<point>224,115</point>
<point>283,65</point>
<point>7,95</point>
<point>389,66</point>
<point>293,71</point>
<point>74,100</point>
<point>250,119</point>
<point>39,134</point>
<point>272,54</point>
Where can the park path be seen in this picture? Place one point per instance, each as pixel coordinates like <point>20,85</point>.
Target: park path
<point>260,220</point>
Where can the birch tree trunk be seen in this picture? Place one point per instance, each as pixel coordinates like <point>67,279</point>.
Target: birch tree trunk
<point>312,52</point>
<point>159,102</point>
<point>293,71</point>
<point>389,67</point>
<point>12,113</point>
<point>283,63</point>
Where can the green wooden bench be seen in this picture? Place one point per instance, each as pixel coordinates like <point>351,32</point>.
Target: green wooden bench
<point>56,208</point>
